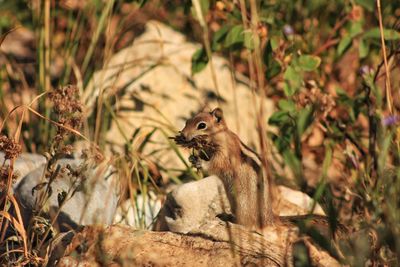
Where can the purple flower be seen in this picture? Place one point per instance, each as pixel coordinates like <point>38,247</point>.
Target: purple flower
<point>288,30</point>
<point>390,120</point>
<point>366,70</point>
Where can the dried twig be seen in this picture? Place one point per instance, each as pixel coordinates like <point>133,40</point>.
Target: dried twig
<point>387,82</point>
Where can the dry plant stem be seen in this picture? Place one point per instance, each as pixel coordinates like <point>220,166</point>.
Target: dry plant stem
<point>372,155</point>
<point>105,13</point>
<point>17,107</point>
<point>11,251</point>
<point>9,179</point>
<point>330,41</point>
<point>44,59</point>
<point>261,83</point>
<point>8,197</point>
<point>54,220</point>
<point>235,102</point>
<point>4,225</point>
<point>47,44</point>
<point>47,119</point>
<point>203,24</point>
<point>250,58</point>
<point>387,71</point>
<point>107,55</point>
<point>58,124</point>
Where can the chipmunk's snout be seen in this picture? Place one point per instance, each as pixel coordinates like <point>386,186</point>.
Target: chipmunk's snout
<point>186,135</point>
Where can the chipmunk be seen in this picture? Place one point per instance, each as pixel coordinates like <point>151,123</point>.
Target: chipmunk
<point>222,153</point>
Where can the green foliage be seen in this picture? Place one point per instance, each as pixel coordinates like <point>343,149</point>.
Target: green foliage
<point>199,60</point>
<point>309,63</point>
<point>235,36</point>
<point>311,44</point>
<point>272,65</point>
<point>389,34</point>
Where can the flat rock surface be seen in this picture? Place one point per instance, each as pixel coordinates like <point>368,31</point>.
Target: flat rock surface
<point>217,244</point>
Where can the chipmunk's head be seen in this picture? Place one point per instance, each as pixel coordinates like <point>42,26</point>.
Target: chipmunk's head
<point>204,124</point>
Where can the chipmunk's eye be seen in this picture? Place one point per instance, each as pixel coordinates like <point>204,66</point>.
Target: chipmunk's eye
<point>201,126</point>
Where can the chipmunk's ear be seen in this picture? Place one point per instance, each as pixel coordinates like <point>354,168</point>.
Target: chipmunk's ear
<point>218,114</point>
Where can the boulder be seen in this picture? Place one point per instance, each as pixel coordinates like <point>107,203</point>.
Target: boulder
<point>90,190</point>
<point>194,204</point>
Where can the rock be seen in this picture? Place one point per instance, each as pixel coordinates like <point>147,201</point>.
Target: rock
<point>139,213</point>
<point>155,90</point>
<point>124,246</point>
<point>215,244</point>
<point>193,204</point>
<point>25,164</point>
<point>293,202</point>
<point>91,196</point>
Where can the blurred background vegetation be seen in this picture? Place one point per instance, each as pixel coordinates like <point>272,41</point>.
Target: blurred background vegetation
<point>320,61</point>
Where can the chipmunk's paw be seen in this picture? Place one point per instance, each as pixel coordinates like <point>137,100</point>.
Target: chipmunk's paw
<point>196,161</point>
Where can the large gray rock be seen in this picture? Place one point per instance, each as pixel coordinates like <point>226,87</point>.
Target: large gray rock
<point>195,204</point>
<point>91,194</point>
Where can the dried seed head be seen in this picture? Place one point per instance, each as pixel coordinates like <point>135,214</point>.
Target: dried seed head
<point>66,100</point>
<point>323,102</point>
<point>10,148</point>
<point>93,153</point>
<point>67,106</point>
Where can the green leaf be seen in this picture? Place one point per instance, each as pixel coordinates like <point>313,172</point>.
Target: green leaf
<point>304,120</point>
<point>273,66</point>
<point>204,6</point>
<point>274,42</point>
<point>388,33</point>
<point>219,37</point>
<point>235,36</point>
<point>367,4</point>
<point>278,118</point>
<point>249,40</point>
<point>309,62</point>
<point>292,161</point>
<point>286,105</point>
<point>289,90</point>
<point>327,161</point>
<point>355,29</point>
<point>273,70</point>
<point>281,142</point>
<point>199,60</point>
<point>343,45</point>
<point>363,48</point>
<point>268,54</point>
<point>293,81</point>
